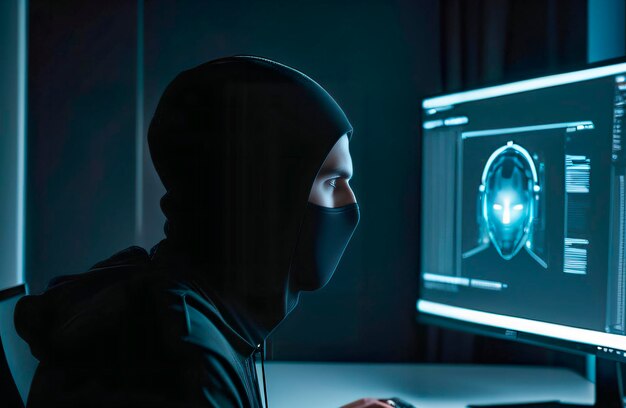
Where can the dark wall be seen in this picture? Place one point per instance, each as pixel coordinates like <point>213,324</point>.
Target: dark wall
<point>377,58</point>
<point>80,162</point>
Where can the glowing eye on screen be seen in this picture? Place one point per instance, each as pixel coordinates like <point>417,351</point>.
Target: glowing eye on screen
<point>518,207</point>
<point>497,207</point>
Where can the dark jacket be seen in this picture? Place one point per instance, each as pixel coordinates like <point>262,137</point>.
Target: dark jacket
<point>128,334</point>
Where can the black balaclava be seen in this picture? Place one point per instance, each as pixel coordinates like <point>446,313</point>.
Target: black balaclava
<point>237,143</point>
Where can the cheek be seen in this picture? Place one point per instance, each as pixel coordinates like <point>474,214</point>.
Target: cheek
<point>321,194</point>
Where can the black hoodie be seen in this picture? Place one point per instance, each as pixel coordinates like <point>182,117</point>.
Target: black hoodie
<point>237,143</point>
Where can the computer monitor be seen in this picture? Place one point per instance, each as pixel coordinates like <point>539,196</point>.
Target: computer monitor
<point>523,212</point>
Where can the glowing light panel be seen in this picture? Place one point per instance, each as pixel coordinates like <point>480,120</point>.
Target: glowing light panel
<point>521,86</point>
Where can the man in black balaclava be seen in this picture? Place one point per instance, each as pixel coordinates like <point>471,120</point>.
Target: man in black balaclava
<point>254,157</point>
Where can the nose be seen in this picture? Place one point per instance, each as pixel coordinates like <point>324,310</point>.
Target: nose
<point>346,196</point>
<point>506,216</point>
<point>351,195</point>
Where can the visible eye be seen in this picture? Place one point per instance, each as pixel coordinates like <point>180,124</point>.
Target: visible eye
<point>497,207</point>
<point>518,207</point>
<point>333,183</point>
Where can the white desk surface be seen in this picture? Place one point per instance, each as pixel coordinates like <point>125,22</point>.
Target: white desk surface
<point>328,385</point>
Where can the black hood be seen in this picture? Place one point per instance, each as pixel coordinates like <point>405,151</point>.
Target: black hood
<point>93,313</point>
<point>237,143</point>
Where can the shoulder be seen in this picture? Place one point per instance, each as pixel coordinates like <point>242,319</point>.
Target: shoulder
<point>117,265</point>
<point>188,322</point>
<point>131,255</point>
<point>194,341</point>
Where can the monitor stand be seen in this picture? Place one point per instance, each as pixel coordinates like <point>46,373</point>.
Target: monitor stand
<point>608,390</point>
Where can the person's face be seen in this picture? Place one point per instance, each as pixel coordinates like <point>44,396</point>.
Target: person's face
<point>509,208</point>
<point>331,187</point>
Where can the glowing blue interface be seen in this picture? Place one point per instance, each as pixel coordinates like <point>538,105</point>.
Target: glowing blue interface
<point>524,203</point>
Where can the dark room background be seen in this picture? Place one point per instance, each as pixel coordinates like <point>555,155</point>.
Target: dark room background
<point>96,73</point>
<point>377,58</point>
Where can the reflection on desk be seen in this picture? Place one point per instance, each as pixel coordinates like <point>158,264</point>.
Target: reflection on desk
<point>327,385</point>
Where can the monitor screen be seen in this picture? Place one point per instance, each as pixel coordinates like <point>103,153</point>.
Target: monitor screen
<point>523,222</point>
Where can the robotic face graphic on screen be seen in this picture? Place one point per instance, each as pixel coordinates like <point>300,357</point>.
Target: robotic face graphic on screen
<point>509,194</point>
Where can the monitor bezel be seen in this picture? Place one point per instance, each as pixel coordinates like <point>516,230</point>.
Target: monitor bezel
<point>506,334</point>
